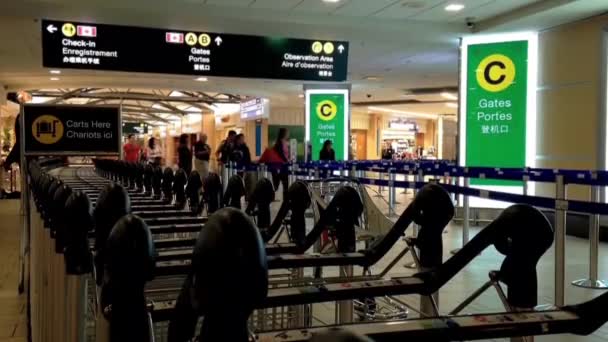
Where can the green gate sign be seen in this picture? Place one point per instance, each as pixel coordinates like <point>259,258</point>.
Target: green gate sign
<point>327,118</point>
<point>496,106</point>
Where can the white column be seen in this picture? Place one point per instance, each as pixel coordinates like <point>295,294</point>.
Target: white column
<point>2,95</point>
<point>440,137</point>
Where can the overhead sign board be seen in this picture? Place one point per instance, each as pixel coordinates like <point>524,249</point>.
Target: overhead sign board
<point>254,109</point>
<point>124,48</point>
<point>135,128</point>
<point>71,130</point>
<point>327,118</point>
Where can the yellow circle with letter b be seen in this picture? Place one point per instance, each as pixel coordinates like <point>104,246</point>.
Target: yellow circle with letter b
<point>204,39</point>
<point>327,110</point>
<point>47,129</point>
<point>495,73</point>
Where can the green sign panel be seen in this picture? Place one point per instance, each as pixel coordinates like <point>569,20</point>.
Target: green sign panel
<point>496,103</point>
<point>327,115</point>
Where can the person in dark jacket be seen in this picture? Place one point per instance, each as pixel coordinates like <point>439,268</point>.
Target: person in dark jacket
<point>240,153</point>
<point>225,150</point>
<point>184,154</point>
<point>327,152</point>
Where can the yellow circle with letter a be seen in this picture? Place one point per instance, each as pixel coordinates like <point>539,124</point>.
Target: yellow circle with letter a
<point>495,73</point>
<point>191,38</point>
<point>327,110</point>
<point>47,129</point>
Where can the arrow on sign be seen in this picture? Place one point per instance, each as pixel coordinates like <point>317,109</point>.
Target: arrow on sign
<point>51,28</point>
<point>218,40</point>
<point>341,48</point>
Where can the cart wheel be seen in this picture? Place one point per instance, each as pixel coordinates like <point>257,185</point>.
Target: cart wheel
<point>371,305</point>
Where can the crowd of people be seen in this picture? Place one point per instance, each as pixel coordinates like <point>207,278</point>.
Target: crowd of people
<point>233,148</point>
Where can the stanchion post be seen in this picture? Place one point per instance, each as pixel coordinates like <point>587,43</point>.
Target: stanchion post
<point>418,178</point>
<point>391,192</point>
<point>292,174</point>
<point>560,239</point>
<point>225,176</point>
<point>380,189</point>
<point>594,239</point>
<point>467,214</point>
<point>345,307</point>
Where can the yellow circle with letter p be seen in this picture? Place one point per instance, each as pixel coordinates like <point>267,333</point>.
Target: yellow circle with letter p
<point>47,129</point>
<point>495,73</point>
<point>327,110</point>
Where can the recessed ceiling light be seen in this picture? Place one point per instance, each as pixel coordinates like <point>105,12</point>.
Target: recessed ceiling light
<point>449,96</point>
<point>452,105</point>
<point>54,78</point>
<point>301,96</point>
<point>55,72</point>
<point>201,79</point>
<point>372,78</point>
<point>454,7</point>
<point>331,1</point>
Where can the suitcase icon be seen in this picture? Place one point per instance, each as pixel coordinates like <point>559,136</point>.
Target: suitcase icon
<point>46,127</point>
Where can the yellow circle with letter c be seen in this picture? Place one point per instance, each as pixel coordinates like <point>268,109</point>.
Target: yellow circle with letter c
<point>47,129</point>
<point>327,110</point>
<point>495,73</point>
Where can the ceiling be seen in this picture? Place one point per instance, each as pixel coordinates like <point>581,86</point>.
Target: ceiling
<point>403,43</point>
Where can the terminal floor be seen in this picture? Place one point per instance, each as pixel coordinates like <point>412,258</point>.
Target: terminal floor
<point>13,326</point>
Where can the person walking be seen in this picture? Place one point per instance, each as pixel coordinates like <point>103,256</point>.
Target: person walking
<point>202,154</point>
<point>131,149</point>
<point>153,152</point>
<point>240,153</point>
<point>222,155</point>
<point>184,154</point>
<point>327,152</point>
<point>225,149</point>
<point>278,154</point>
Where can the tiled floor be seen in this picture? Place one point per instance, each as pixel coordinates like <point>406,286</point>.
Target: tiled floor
<point>13,326</point>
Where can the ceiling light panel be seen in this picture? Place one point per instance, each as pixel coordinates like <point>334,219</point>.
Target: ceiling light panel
<point>483,9</point>
<point>362,8</point>
<point>274,4</point>
<point>233,3</point>
<point>316,6</point>
<point>454,7</point>
<point>440,14</point>
<point>408,9</point>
